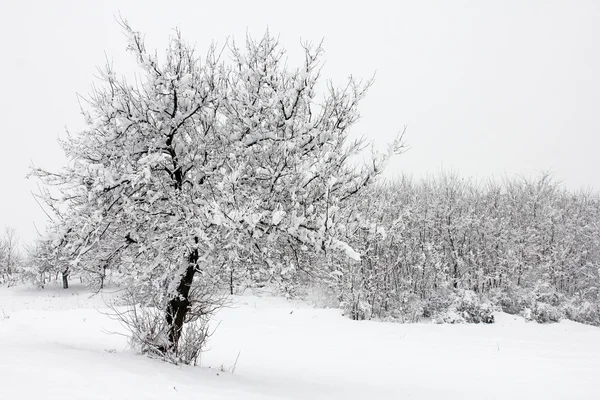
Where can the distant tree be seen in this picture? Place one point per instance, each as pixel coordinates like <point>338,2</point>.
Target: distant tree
<point>10,255</point>
<point>199,161</point>
<point>39,262</point>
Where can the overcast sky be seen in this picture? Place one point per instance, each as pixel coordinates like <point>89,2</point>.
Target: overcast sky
<point>486,88</point>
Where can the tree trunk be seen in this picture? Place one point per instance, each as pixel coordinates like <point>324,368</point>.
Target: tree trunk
<point>178,306</point>
<point>65,279</point>
<point>102,277</point>
<point>455,278</point>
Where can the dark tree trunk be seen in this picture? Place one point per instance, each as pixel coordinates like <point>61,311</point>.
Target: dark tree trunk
<point>455,284</point>
<point>65,279</point>
<point>178,306</point>
<point>102,277</point>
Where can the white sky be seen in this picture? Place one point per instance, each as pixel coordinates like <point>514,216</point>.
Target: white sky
<point>486,88</point>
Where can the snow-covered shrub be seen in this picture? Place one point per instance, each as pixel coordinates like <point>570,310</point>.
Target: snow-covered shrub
<point>149,327</point>
<point>438,303</point>
<point>450,316</point>
<point>542,303</point>
<point>511,300</point>
<point>148,334</point>
<point>192,341</point>
<point>515,300</point>
<point>539,303</point>
<point>584,312</point>
<point>474,308</point>
<point>544,313</point>
<point>466,306</point>
<point>526,314</point>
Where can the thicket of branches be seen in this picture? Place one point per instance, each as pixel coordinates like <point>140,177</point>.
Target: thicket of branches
<point>452,249</point>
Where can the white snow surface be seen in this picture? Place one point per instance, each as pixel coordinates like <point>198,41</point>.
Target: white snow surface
<point>57,344</point>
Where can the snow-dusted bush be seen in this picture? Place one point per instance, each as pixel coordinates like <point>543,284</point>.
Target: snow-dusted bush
<point>543,313</point>
<point>474,308</point>
<point>438,303</point>
<point>466,306</point>
<point>149,329</point>
<point>582,311</point>
<point>193,340</point>
<point>513,300</point>
<point>540,303</point>
<point>450,316</point>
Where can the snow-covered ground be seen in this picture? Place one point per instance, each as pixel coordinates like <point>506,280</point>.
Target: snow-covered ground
<point>57,344</point>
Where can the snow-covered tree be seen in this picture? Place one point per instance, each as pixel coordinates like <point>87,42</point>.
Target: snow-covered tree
<point>39,262</point>
<point>10,255</point>
<point>199,160</point>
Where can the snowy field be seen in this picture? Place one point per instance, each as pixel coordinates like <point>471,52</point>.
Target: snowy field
<point>57,344</point>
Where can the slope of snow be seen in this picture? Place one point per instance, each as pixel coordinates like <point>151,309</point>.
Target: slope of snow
<point>58,344</point>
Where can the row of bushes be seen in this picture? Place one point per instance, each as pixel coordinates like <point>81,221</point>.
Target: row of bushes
<point>466,306</point>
